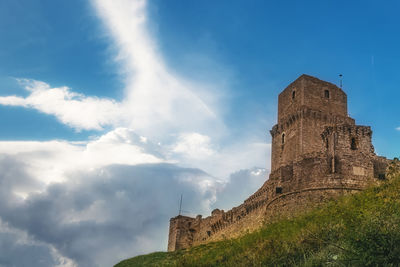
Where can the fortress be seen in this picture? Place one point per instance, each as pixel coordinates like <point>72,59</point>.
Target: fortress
<point>318,152</point>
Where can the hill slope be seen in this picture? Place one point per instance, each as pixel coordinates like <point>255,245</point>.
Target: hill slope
<point>356,230</point>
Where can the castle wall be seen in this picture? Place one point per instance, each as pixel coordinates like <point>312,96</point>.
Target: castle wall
<point>318,153</point>
<point>180,233</point>
<point>233,223</point>
<point>351,153</point>
<point>286,205</point>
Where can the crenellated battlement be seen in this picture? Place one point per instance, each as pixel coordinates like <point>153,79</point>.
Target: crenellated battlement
<point>307,113</point>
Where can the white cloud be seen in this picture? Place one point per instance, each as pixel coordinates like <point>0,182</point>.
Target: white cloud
<point>398,128</point>
<point>115,193</point>
<point>194,146</point>
<point>72,109</point>
<point>195,150</point>
<point>20,249</point>
<point>97,218</point>
<point>52,161</point>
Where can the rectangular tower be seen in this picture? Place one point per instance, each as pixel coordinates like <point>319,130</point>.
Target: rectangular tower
<point>305,108</point>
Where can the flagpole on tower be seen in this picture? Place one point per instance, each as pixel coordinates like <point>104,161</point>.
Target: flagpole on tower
<point>341,80</point>
<point>180,205</point>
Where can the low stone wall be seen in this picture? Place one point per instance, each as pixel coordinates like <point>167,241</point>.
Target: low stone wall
<point>284,205</point>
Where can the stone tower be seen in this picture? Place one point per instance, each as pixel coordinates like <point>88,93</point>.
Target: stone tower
<point>316,143</point>
<point>318,153</point>
<point>305,108</point>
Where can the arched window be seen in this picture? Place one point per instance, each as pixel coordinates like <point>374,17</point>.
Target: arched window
<point>283,138</point>
<point>353,144</point>
<point>326,93</point>
<point>293,95</point>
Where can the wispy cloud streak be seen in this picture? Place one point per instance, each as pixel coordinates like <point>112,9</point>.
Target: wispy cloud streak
<point>157,97</point>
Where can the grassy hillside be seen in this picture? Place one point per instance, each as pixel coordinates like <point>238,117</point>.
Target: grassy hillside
<point>356,230</point>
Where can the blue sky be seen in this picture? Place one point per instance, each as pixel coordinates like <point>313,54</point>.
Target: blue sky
<point>260,48</point>
<point>130,91</point>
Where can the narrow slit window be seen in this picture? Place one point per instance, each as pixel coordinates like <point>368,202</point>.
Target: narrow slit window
<point>293,95</point>
<point>283,139</point>
<point>353,144</point>
<point>327,94</point>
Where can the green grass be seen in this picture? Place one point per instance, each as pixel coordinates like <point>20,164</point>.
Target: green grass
<point>362,229</point>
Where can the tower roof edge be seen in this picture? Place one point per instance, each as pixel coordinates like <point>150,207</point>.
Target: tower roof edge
<point>309,78</point>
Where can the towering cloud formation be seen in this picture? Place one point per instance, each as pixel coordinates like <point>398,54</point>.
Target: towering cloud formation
<point>97,217</point>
